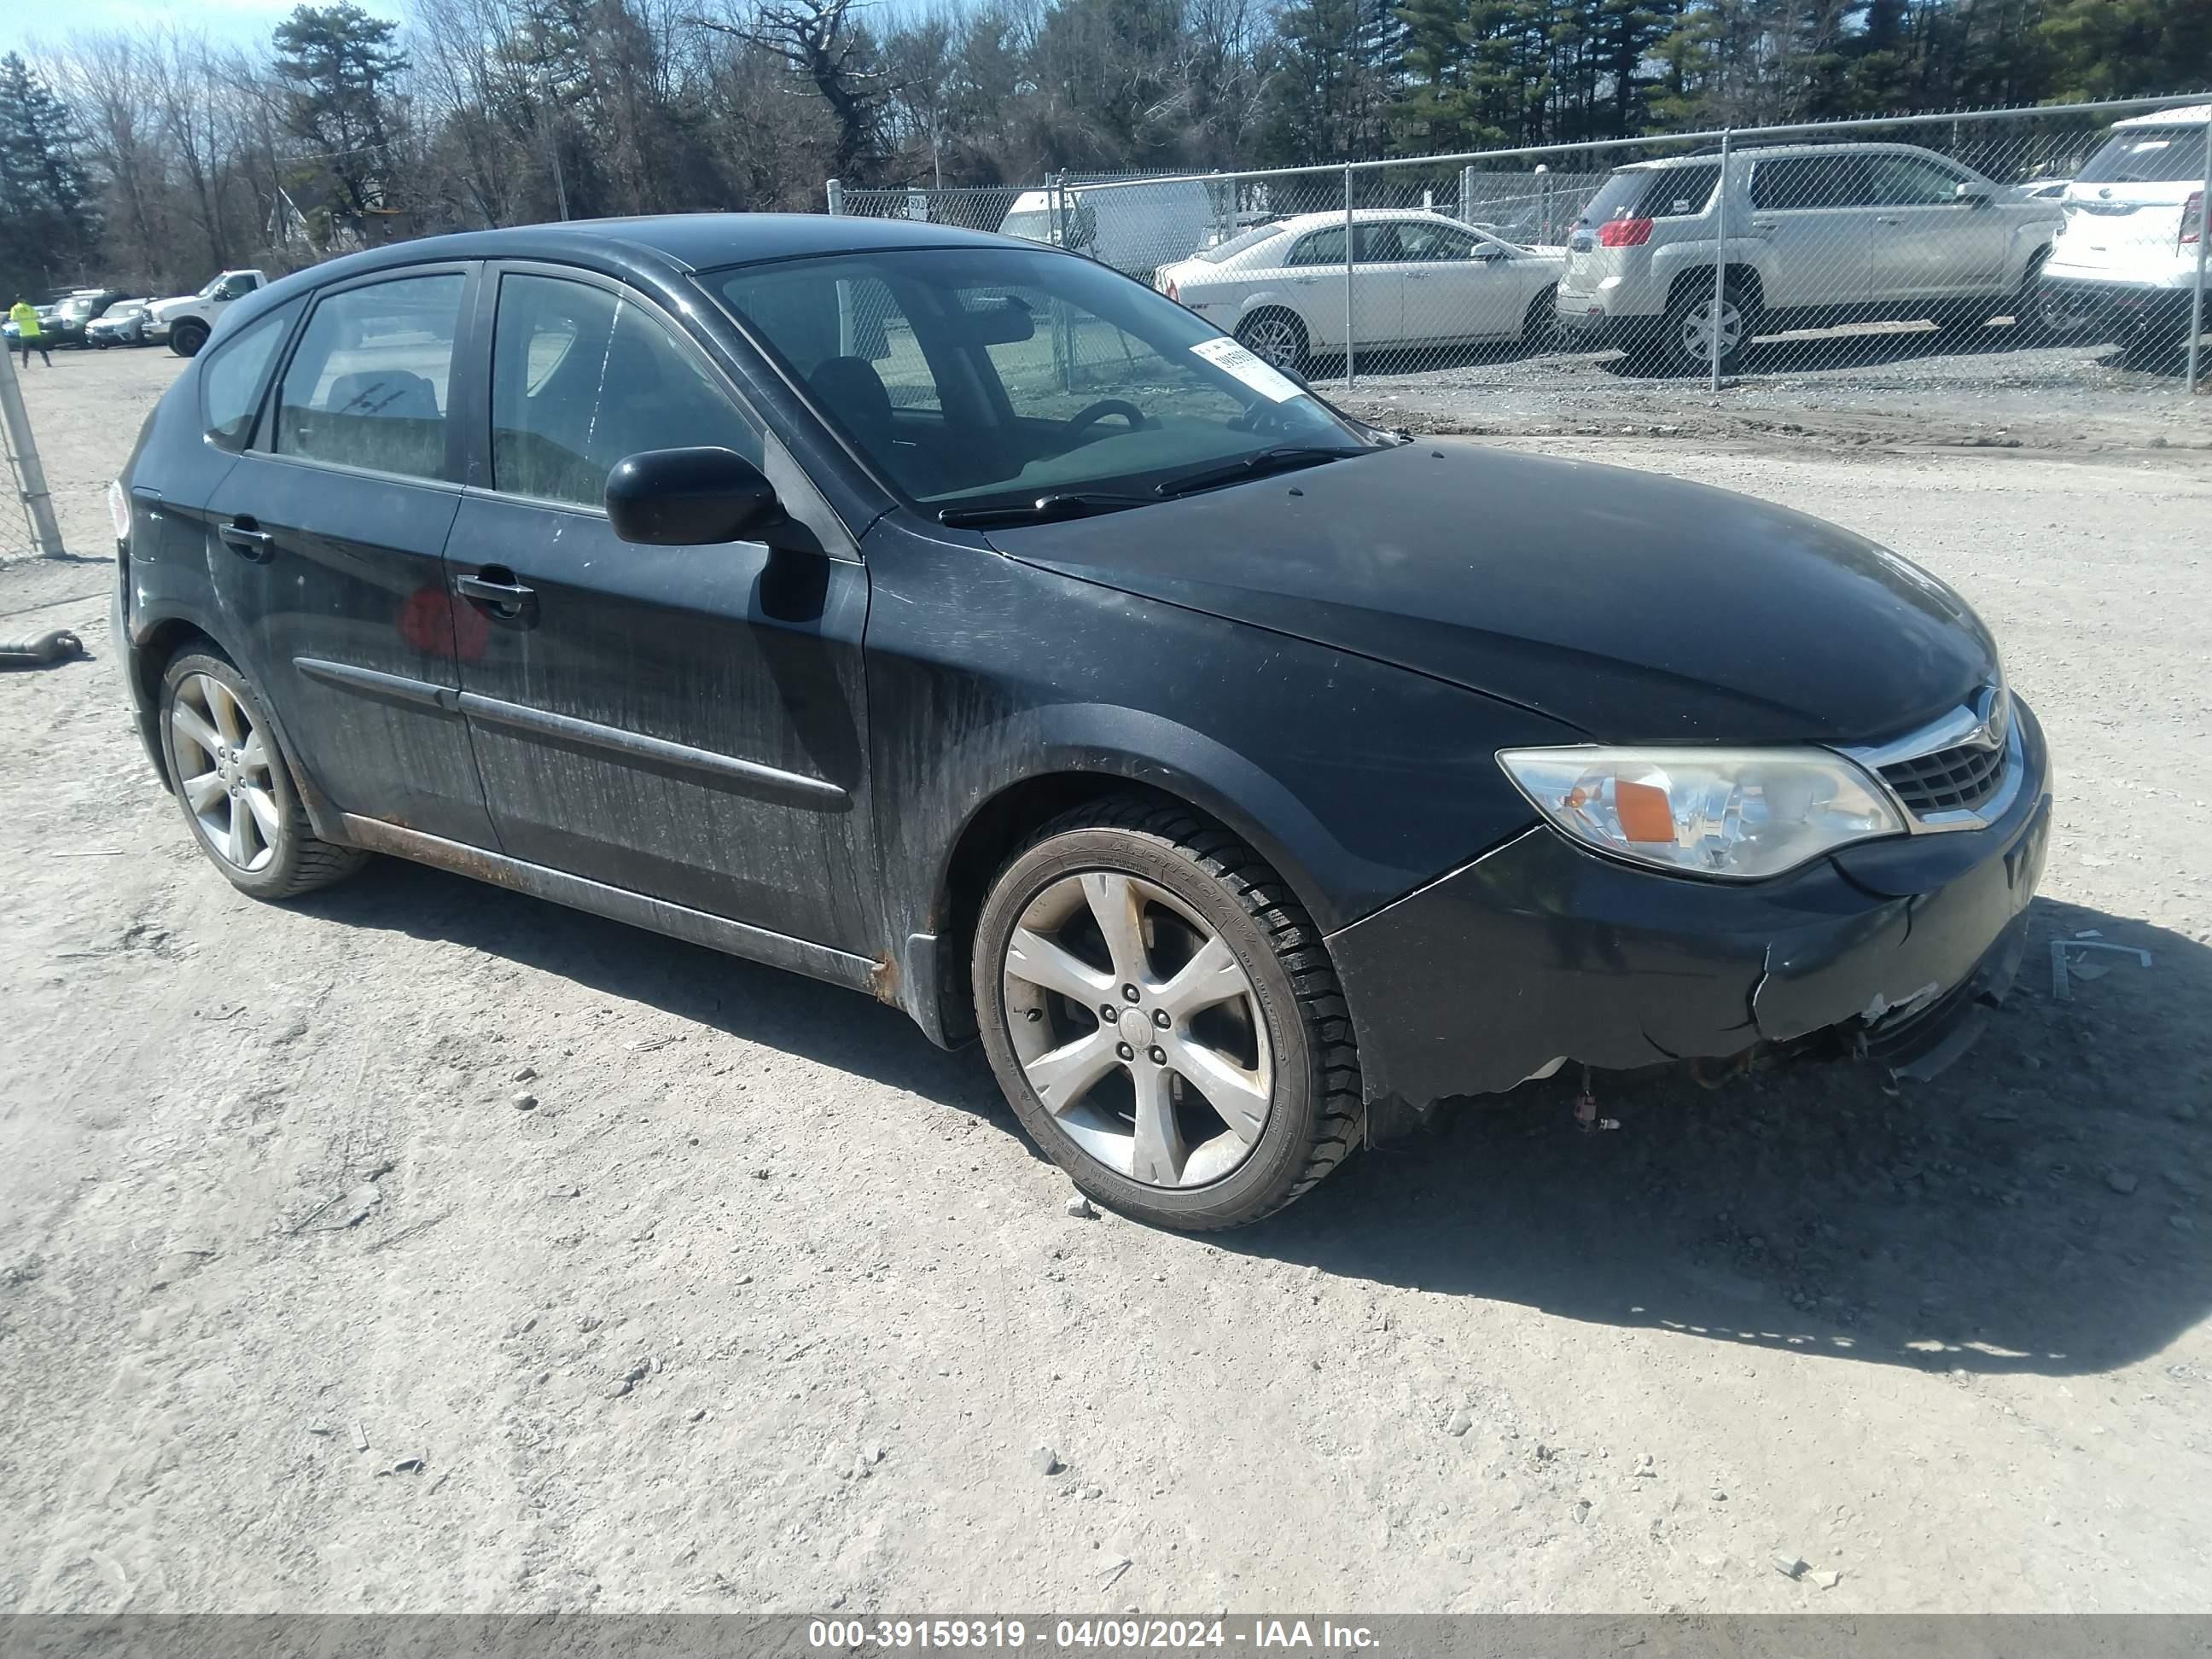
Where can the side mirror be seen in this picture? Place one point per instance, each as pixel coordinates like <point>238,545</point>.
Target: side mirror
<point>1490,252</point>
<point>1972,195</point>
<point>687,497</point>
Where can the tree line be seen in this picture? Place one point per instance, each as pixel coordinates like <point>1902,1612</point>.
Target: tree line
<point>153,159</point>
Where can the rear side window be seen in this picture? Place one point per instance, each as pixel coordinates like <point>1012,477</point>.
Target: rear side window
<point>232,377</point>
<point>1809,181</point>
<point>368,384</point>
<point>2149,155</point>
<point>580,378</point>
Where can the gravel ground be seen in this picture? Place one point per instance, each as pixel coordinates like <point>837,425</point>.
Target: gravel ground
<point>1883,386</point>
<point>764,1303</point>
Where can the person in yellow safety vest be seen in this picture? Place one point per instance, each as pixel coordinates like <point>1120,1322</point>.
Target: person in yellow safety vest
<point>28,339</point>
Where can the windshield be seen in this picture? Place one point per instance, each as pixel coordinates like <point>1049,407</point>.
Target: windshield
<point>994,376</point>
<point>2149,155</point>
<point>215,285</point>
<point>1236,244</point>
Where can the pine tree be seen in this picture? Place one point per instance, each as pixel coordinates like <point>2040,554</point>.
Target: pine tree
<point>48,224</point>
<point>338,65</point>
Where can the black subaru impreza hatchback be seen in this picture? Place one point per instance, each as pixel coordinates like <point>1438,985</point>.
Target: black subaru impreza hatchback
<point>956,620</point>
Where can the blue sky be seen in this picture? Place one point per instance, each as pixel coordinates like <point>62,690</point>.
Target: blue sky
<point>29,25</point>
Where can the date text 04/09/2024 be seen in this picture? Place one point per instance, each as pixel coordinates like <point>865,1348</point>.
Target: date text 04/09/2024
<point>1120,1634</point>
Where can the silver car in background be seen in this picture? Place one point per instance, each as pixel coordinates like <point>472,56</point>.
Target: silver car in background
<point>1817,236</point>
<point>1419,280</point>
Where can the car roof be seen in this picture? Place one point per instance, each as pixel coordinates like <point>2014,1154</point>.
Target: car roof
<point>695,241</point>
<point>2188,115</point>
<point>1360,215</point>
<point>1779,152</point>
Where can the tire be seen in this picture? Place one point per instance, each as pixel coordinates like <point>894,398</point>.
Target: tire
<point>1687,313</point>
<point>2044,314</point>
<point>1540,324</point>
<point>1276,336</point>
<point>218,774</point>
<point>1268,1029</point>
<point>186,338</point>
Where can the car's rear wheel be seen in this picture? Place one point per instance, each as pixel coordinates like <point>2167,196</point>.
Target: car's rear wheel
<point>1163,1016</point>
<point>236,791</point>
<point>1277,336</point>
<point>187,338</point>
<point>2047,310</point>
<point>1694,315</point>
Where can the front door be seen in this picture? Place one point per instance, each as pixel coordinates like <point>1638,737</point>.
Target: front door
<point>326,540</point>
<point>1927,244</point>
<point>1816,214</point>
<point>684,722</point>
<point>1458,285</point>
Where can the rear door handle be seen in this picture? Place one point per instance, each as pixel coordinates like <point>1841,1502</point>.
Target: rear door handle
<point>1885,219</point>
<point>246,537</point>
<point>496,589</point>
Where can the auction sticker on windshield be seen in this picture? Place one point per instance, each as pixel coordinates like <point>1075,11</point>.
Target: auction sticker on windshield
<point>1256,372</point>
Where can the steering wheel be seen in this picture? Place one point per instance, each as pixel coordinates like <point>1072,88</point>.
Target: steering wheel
<point>1105,406</point>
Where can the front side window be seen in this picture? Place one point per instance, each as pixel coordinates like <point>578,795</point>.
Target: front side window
<point>369,385</point>
<point>1419,241</point>
<point>1042,374</point>
<point>582,377</point>
<point>1908,181</point>
<point>231,376</point>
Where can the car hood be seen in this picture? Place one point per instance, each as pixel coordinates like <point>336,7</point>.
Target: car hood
<point>1632,606</point>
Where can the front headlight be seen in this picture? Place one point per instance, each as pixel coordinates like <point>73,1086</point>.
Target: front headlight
<point>1735,814</point>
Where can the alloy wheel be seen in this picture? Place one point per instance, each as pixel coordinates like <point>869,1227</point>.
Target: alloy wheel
<point>223,771</point>
<point>1275,341</point>
<point>1696,337</point>
<point>1137,1029</point>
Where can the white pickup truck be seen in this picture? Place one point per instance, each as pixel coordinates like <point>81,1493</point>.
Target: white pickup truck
<point>186,321</point>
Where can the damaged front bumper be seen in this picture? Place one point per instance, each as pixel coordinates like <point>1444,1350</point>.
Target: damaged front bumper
<point>1539,952</point>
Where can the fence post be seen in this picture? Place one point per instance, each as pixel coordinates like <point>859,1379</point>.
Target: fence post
<point>1351,374</point>
<point>23,450</point>
<point>2203,236</point>
<point>836,196</point>
<point>1720,258</point>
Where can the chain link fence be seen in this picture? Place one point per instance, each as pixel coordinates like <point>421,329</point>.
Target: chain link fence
<point>1947,245</point>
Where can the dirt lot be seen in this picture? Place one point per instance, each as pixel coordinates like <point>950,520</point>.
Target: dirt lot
<point>766,1304</point>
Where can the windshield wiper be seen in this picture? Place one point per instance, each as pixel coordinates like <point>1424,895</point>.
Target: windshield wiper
<point>1282,459</point>
<point>1061,504</point>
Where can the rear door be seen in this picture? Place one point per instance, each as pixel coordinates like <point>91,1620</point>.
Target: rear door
<point>1927,244</point>
<point>327,540</point>
<point>1816,213</point>
<point>684,722</point>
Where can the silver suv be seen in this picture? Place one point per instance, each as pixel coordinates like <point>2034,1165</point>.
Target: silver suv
<point>1817,235</point>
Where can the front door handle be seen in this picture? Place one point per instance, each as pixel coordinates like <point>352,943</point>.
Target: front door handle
<point>1762,224</point>
<point>1885,219</point>
<point>495,588</point>
<point>244,536</point>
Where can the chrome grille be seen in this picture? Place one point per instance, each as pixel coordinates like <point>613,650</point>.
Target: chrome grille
<point>1960,779</point>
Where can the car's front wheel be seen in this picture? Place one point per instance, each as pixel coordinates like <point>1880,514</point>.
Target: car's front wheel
<point>187,338</point>
<point>1161,1014</point>
<point>231,780</point>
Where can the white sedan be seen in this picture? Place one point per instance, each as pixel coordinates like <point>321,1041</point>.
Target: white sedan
<point>1418,279</point>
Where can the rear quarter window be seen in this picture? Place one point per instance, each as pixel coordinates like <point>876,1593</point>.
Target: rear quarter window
<point>234,370</point>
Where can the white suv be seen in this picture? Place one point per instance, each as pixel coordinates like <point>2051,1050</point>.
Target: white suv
<point>2134,215</point>
<point>1817,235</point>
